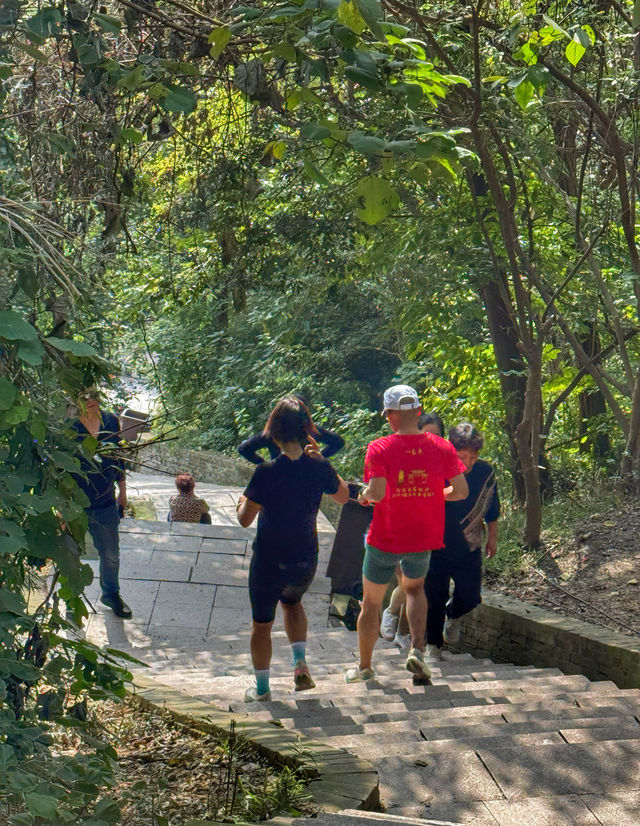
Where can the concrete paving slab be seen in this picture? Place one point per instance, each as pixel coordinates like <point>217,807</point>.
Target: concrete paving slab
<point>234,597</point>
<point>564,770</point>
<point>458,812</point>
<point>615,809</point>
<point>228,621</point>
<point>456,775</point>
<point>162,565</point>
<point>181,604</point>
<point>143,526</point>
<point>228,547</point>
<point>215,570</point>
<point>542,811</point>
<point>620,731</point>
<point>166,542</point>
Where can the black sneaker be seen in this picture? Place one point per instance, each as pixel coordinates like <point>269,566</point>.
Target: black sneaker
<point>117,605</point>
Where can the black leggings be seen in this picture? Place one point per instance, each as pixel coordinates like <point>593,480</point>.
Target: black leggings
<point>465,568</point>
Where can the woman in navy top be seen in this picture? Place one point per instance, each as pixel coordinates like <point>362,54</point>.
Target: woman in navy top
<point>285,494</point>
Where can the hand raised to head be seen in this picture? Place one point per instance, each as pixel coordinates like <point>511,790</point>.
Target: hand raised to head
<point>312,448</point>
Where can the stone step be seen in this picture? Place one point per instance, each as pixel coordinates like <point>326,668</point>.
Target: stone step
<point>352,817</point>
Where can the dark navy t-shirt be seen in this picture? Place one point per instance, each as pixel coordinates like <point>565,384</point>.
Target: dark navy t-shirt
<point>479,477</point>
<point>290,492</point>
<point>104,470</point>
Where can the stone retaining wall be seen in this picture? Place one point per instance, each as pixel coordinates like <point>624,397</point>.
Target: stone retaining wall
<point>507,630</point>
<point>204,465</point>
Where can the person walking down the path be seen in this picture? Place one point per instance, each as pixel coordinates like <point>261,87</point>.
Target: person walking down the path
<point>186,506</point>
<point>99,475</point>
<point>285,494</point>
<point>394,626</point>
<point>250,447</point>
<point>405,475</point>
<point>461,558</point>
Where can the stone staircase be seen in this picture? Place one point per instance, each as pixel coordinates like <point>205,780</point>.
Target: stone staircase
<point>487,743</point>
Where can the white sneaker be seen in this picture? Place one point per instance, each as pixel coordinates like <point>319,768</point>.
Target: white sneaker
<point>388,625</point>
<point>451,631</point>
<point>416,665</point>
<point>251,695</point>
<point>359,675</point>
<point>434,653</point>
<point>402,640</point>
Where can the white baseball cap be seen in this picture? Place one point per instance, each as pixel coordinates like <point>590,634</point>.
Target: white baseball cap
<point>401,397</point>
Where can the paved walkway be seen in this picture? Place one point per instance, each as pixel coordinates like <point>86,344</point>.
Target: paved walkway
<point>488,744</point>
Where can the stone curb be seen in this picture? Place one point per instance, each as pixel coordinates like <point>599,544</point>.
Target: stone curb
<point>340,780</point>
<point>508,630</point>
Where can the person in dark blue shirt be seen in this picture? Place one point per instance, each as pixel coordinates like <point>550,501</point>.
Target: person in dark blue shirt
<point>99,476</point>
<point>249,448</point>
<point>285,495</point>
<point>466,522</point>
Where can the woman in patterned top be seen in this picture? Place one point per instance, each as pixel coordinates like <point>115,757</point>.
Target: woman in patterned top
<point>186,507</point>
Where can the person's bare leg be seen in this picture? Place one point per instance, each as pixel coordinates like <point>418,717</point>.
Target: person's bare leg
<point>261,645</point>
<point>416,610</point>
<point>403,621</point>
<point>295,621</point>
<point>369,620</point>
<point>396,604</point>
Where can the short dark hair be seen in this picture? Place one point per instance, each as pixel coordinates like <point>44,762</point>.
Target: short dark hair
<point>431,418</point>
<point>290,421</point>
<point>185,483</point>
<point>465,436</point>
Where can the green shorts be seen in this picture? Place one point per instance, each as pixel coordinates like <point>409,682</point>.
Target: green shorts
<point>379,566</point>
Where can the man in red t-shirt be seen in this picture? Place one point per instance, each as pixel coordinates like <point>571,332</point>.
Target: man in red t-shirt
<point>405,475</point>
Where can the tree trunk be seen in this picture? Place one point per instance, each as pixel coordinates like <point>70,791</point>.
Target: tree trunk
<point>528,444</point>
<point>512,371</point>
<point>592,405</point>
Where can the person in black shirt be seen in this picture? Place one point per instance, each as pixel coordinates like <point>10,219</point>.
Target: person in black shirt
<point>249,448</point>
<point>285,494</point>
<point>97,481</point>
<point>461,557</point>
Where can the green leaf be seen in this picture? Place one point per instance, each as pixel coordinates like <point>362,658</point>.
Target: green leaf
<point>635,21</point>
<point>36,54</point>
<point>65,461</point>
<point>108,22</point>
<point>591,35</point>
<point>376,199</point>
<point>11,603</point>
<point>364,78</point>
<point>314,132</point>
<point>133,79</point>
<point>366,144</point>
<point>12,538</point>
<point>316,174</point>
<point>8,393</point>
<point>539,76</point>
<point>219,39</point>
<point>523,93</point>
<point>13,326</point>
<point>108,810</point>
<point>42,805</point>
<point>349,15</point>
<point>129,135</point>
<point>70,345</point>
<point>372,14</point>
<point>574,51</point>
<point>179,99</point>
<point>31,351</point>
<point>21,819</point>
